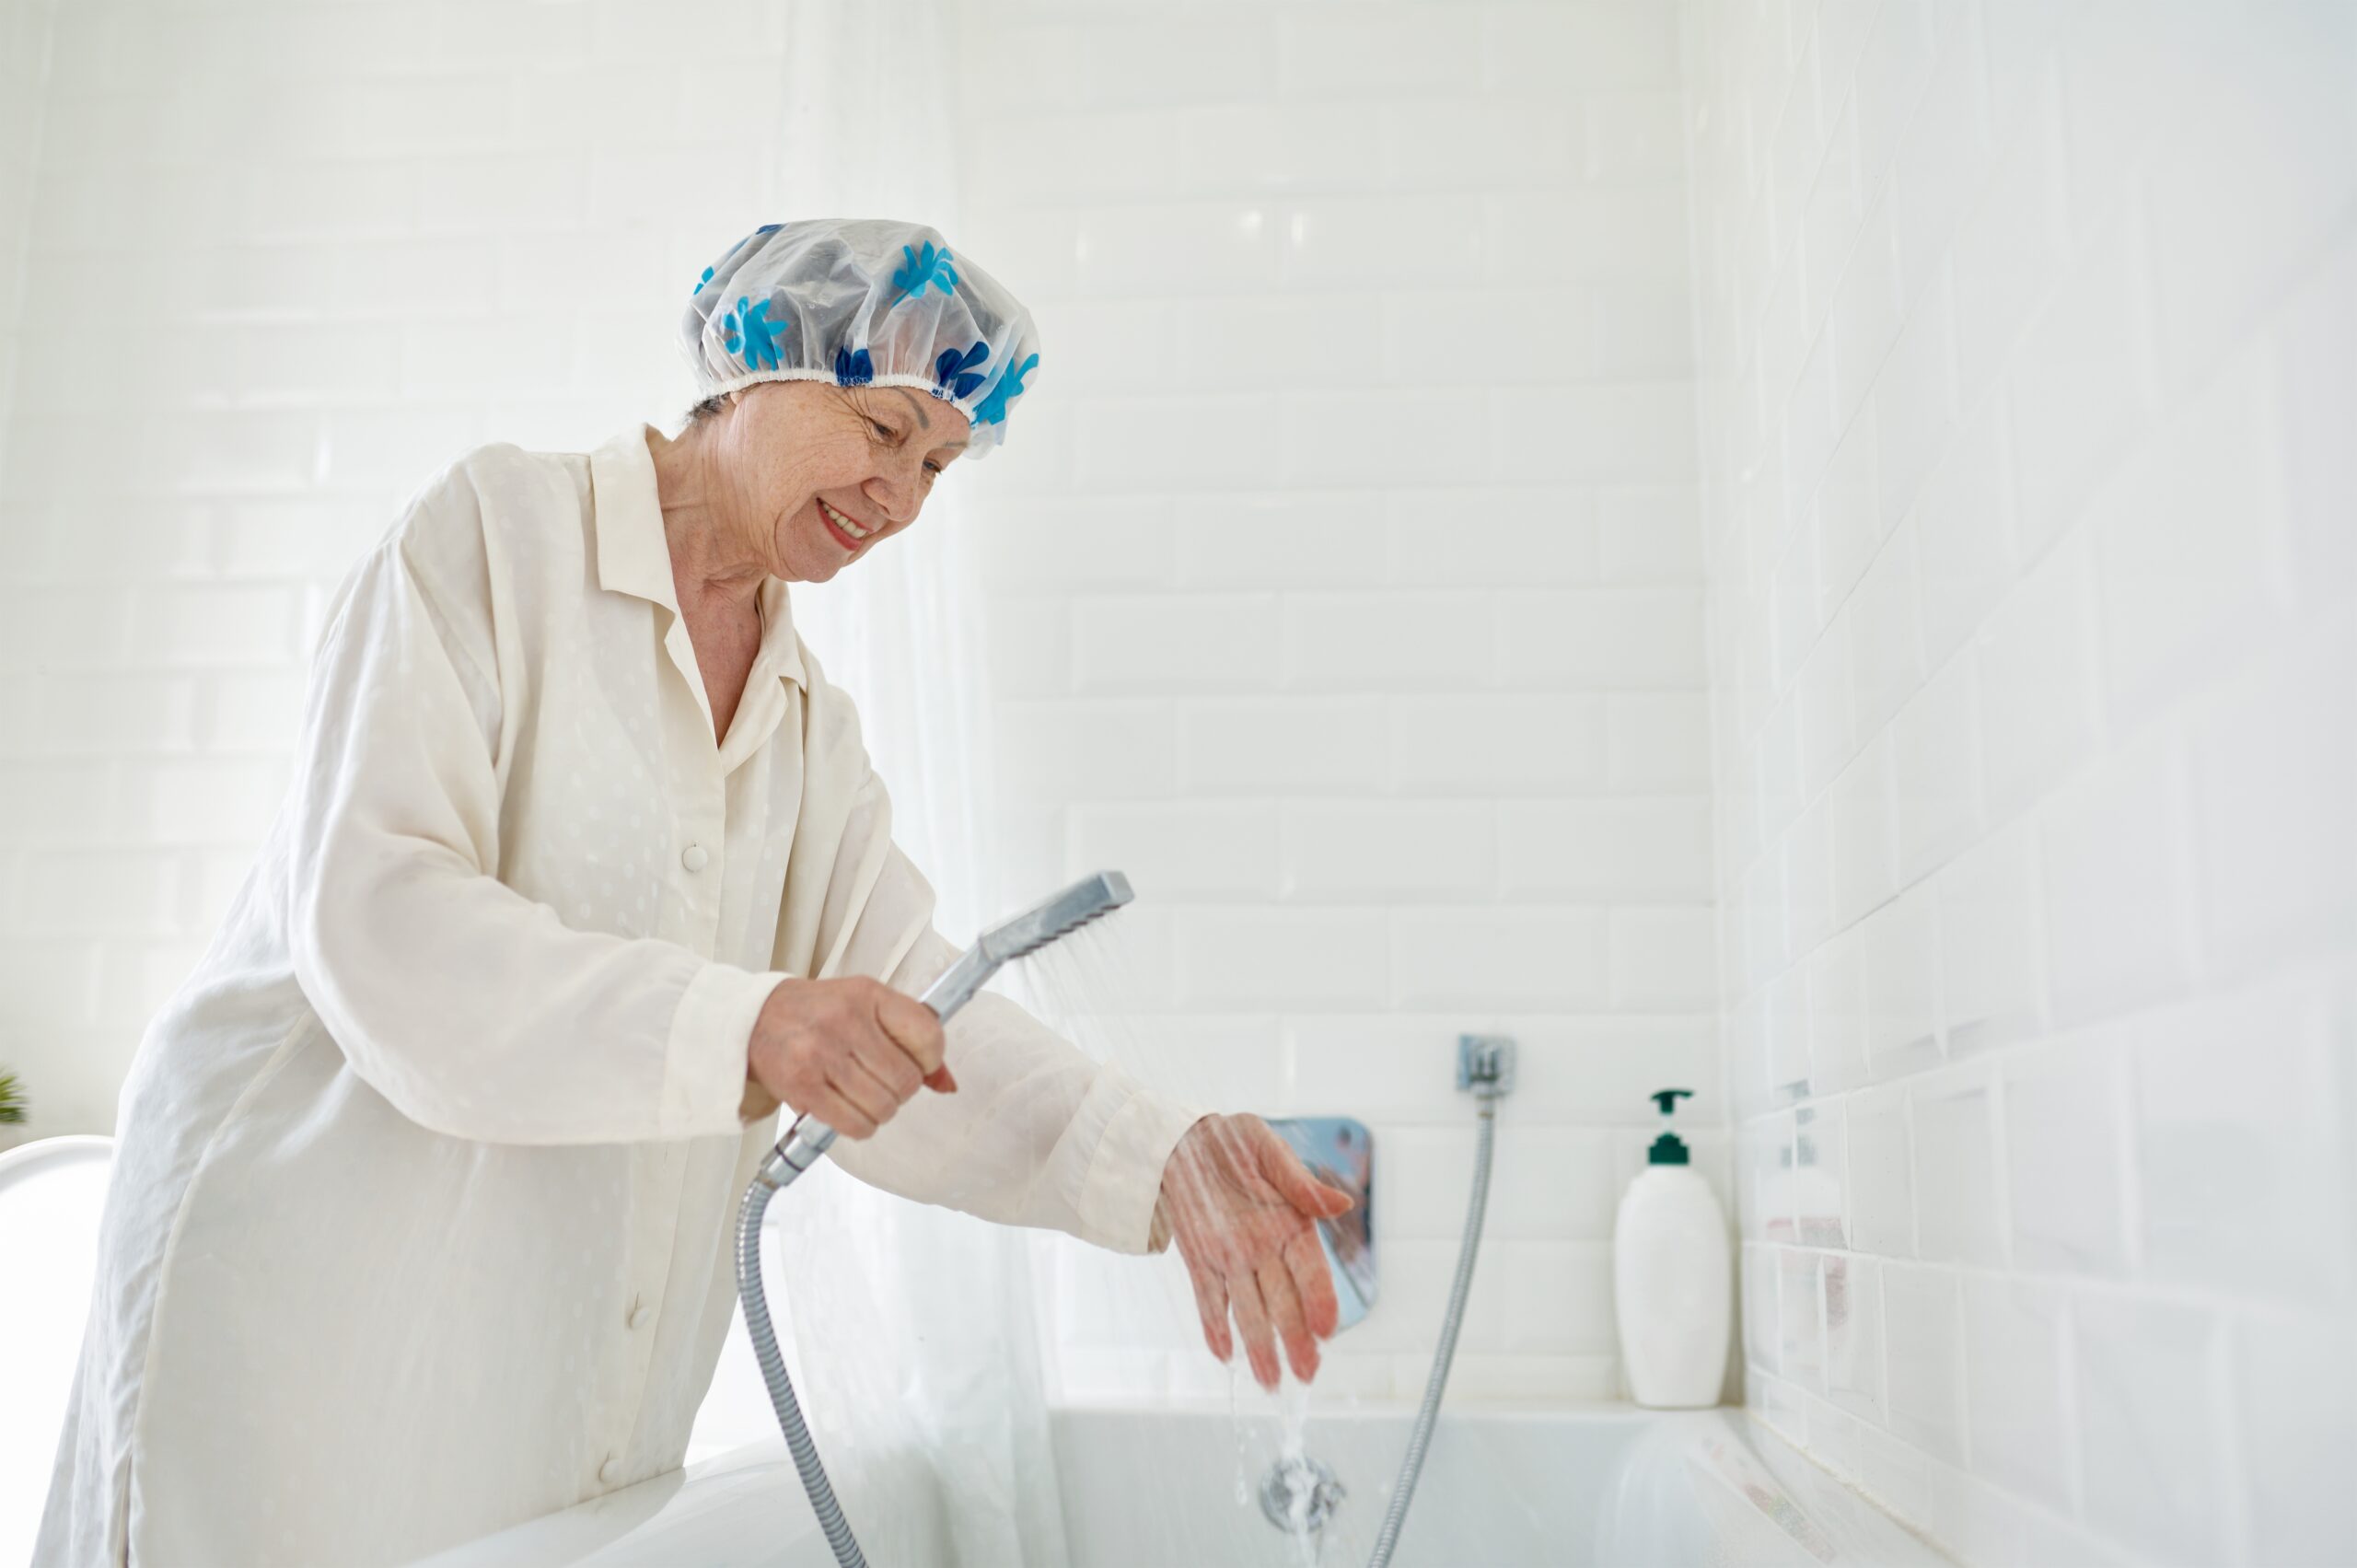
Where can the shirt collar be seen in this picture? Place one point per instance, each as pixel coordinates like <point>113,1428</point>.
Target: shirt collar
<point>633,556</point>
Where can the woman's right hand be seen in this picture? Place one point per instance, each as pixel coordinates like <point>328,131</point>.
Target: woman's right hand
<point>848,1051</point>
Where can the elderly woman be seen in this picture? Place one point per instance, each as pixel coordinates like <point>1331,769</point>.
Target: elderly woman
<point>420,1215</point>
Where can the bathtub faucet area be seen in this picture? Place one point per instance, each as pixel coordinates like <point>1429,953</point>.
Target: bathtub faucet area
<point>1302,1495</point>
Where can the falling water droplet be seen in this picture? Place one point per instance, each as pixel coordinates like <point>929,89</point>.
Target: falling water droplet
<point>1236,1425</point>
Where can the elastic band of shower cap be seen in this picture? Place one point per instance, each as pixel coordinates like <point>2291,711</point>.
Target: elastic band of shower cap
<point>862,302</point>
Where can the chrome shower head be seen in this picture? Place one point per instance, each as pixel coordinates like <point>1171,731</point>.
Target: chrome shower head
<point>1058,915</point>
<point>1066,912</point>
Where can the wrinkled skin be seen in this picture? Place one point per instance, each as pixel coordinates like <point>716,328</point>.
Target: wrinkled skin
<point>740,488</point>
<point>1243,1211</point>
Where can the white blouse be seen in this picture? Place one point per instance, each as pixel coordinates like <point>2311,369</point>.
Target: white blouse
<point>425,1184</point>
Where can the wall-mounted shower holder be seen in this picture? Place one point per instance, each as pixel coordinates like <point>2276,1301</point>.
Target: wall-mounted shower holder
<point>1485,1064</point>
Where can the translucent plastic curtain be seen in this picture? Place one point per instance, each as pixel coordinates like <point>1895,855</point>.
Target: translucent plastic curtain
<point>913,1343</point>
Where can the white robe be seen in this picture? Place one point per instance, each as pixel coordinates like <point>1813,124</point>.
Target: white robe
<point>426,1182</point>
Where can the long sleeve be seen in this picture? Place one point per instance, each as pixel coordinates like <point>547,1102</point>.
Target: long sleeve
<point>1038,1133</point>
<point>472,1008</point>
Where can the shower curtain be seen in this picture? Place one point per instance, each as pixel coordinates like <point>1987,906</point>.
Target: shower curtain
<point>914,1342</point>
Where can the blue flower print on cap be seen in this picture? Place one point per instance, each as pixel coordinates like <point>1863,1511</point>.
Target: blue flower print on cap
<point>750,334</point>
<point>993,409</point>
<point>957,373</point>
<point>854,368</point>
<point>931,267</point>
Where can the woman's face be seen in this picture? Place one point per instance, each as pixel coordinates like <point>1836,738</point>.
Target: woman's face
<point>816,474</point>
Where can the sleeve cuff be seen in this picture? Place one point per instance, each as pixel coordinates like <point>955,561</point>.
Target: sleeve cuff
<point>703,1065</point>
<point>1121,1199</point>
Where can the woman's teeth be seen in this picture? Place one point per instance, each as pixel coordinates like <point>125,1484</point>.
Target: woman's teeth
<point>850,528</point>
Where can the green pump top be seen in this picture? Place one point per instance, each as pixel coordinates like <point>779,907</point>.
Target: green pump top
<point>1669,1149</point>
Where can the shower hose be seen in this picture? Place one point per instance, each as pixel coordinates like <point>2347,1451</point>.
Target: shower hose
<point>1420,1436</point>
<point>773,1363</point>
<point>814,1474</point>
<point>809,1138</point>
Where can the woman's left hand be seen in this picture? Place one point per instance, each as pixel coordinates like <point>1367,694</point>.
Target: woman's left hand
<point>1244,1210</point>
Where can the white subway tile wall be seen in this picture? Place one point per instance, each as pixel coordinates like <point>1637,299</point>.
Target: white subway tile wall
<point>2028,358</point>
<point>26,26</point>
<point>1350,596</point>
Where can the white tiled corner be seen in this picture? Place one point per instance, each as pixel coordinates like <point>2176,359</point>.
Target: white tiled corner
<point>2024,506</point>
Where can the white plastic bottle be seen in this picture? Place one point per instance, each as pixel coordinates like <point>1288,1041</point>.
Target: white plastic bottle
<point>1671,1278</point>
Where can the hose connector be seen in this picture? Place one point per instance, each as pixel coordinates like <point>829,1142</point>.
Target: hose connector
<point>1485,1065</point>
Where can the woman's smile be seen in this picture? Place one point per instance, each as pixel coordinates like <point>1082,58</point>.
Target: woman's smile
<point>847,533</point>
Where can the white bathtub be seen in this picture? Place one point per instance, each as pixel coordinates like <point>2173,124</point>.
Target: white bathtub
<point>1502,1488</point>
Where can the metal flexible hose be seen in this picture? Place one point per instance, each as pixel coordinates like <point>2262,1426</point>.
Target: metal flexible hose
<point>772,1361</point>
<point>808,1138</point>
<point>1421,1436</point>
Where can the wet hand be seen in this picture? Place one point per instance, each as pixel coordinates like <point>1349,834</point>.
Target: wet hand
<point>849,1051</point>
<point>1243,1210</point>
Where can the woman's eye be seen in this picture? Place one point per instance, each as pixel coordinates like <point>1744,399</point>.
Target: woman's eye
<point>880,425</point>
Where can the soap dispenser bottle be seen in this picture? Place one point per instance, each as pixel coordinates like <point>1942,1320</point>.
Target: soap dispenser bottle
<point>1671,1277</point>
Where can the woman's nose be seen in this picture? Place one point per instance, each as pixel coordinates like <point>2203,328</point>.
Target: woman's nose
<point>898,496</point>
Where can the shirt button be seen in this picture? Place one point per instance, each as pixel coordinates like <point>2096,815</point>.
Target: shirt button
<point>640,1316</point>
<point>610,1471</point>
<point>693,857</point>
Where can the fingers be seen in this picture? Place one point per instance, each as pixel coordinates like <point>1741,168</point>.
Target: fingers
<point>863,1103</point>
<point>849,1051</point>
<point>1285,1172</point>
<point>1252,1319</point>
<point>841,1114</point>
<point>913,1027</point>
<point>1313,1282</point>
<point>877,1058</point>
<point>1211,1306</point>
<point>885,1077</point>
<point>1284,1303</point>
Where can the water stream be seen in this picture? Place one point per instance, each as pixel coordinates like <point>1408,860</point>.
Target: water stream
<point>1106,988</point>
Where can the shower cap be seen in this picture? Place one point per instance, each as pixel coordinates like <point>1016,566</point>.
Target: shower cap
<point>862,302</point>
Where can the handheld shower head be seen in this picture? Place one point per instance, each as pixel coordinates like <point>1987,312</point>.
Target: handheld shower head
<point>1056,916</point>
<point>1025,933</point>
<point>808,1138</point>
